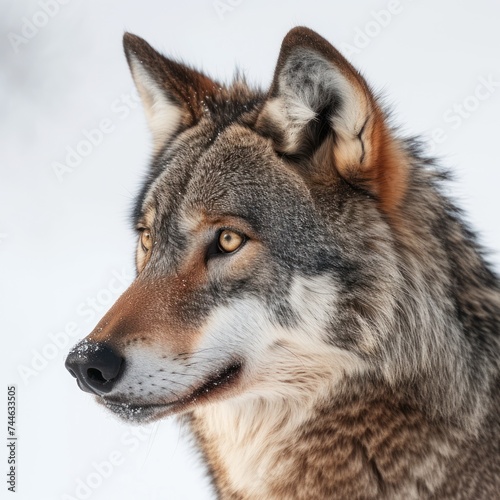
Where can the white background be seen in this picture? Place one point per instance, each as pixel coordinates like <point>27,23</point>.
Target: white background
<point>62,241</point>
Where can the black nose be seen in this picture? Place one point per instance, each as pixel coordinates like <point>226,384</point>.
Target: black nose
<point>95,366</point>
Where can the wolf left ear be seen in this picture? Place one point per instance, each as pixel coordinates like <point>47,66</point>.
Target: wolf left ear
<point>320,106</point>
<point>172,93</point>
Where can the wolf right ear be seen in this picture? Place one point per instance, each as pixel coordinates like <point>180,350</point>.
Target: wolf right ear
<point>320,106</point>
<point>172,93</point>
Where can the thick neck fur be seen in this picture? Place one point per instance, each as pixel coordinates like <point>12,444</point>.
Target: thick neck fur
<point>367,443</point>
<point>449,315</point>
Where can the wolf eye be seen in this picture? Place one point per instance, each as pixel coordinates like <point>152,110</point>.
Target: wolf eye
<point>230,241</point>
<point>146,240</point>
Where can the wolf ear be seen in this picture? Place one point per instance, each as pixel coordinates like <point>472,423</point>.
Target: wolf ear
<point>172,93</point>
<point>320,108</point>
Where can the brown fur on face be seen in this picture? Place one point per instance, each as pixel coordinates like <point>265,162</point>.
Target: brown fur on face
<point>168,312</point>
<point>152,314</point>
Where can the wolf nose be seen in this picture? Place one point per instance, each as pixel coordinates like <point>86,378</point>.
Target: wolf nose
<point>95,366</point>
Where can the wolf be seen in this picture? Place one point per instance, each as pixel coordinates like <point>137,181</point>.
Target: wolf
<point>308,301</point>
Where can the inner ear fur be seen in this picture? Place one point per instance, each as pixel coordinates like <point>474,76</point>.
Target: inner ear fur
<point>317,98</point>
<point>173,95</point>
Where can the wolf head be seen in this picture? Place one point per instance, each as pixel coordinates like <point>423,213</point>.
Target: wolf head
<point>271,232</point>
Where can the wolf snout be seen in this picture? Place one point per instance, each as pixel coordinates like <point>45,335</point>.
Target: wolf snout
<point>95,365</point>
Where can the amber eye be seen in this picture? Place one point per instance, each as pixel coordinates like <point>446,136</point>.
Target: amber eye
<point>229,241</point>
<point>146,240</point>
